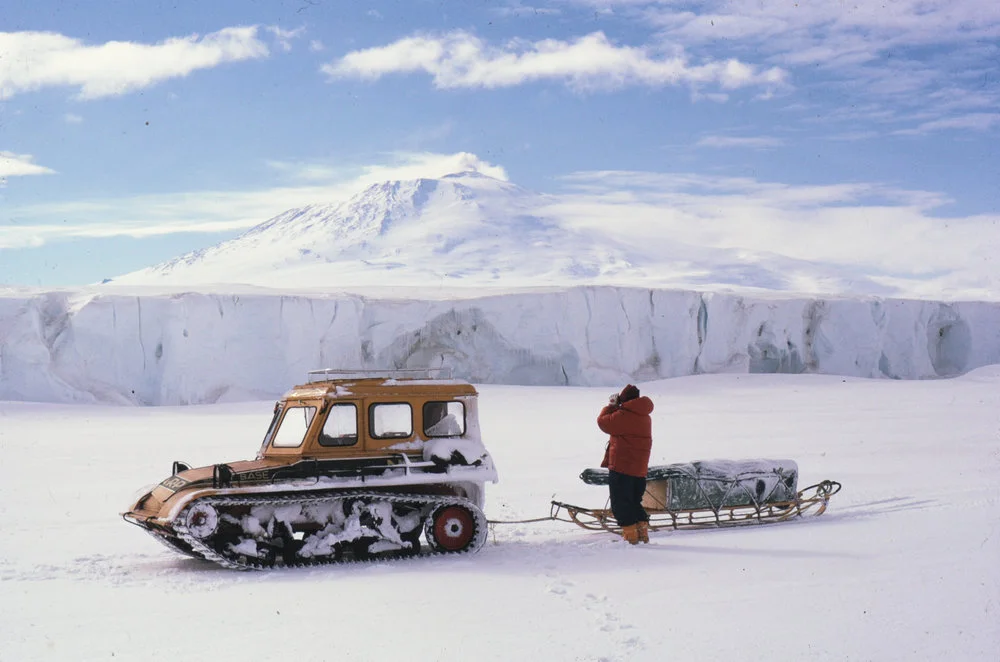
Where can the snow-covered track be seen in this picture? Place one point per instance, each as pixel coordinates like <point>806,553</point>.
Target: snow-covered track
<point>262,531</point>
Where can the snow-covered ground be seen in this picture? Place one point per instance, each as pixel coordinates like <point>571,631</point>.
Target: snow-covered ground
<point>903,566</point>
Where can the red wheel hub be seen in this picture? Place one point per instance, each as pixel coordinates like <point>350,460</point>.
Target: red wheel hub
<point>454,528</point>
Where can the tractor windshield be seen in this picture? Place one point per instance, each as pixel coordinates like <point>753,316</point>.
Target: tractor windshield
<point>293,426</point>
<point>270,429</point>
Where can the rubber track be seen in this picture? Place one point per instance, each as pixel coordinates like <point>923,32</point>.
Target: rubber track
<point>173,544</point>
<point>238,563</point>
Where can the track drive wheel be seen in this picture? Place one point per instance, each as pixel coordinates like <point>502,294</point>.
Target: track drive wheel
<point>452,529</point>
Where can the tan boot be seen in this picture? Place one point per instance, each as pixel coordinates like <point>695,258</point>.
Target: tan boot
<point>643,530</point>
<point>631,534</point>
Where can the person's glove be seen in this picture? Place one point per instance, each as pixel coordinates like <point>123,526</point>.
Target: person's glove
<point>615,400</point>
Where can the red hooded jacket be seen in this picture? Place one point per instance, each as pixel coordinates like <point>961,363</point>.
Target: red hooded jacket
<point>631,433</point>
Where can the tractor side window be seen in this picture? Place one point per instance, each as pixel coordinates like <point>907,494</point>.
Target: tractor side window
<point>391,420</point>
<point>294,425</point>
<point>444,419</point>
<point>341,426</point>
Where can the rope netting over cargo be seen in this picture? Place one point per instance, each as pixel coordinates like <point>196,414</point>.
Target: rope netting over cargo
<point>710,494</point>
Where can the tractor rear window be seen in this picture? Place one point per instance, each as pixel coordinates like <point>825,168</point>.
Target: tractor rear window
<point>444,419</point>
<point>341,427</point>
<point>294,425</point>
<point>391,420</point>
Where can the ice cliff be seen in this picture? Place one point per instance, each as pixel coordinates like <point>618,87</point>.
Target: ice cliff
<point>190,348</point>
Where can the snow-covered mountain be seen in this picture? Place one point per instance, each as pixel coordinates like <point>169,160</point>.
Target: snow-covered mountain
<point>471,230</point>
<point>468,227</point>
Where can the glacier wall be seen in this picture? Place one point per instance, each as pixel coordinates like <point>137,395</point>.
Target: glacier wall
<point>202,348</point>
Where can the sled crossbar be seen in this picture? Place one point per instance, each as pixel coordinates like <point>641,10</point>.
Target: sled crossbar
<point>812,499</point>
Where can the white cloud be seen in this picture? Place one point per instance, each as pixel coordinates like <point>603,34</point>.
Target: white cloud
<point>284,37</point>
<point>316,46</point>
<point>460,59</point>
<point>16,165</point>
<point>429,164</point>
<point>735,141</point>
<point>515,9</point>
<point>786,194</point>
<point>221,211</point>
<point>717,97</point>
<point>72,118</point>
<point>971,121</point>
<point>901,53</point>
<point>34,236</point>
<point>35,60</point>
<point>401,165</point>
<point>816,32</point>
<point>880,228</point>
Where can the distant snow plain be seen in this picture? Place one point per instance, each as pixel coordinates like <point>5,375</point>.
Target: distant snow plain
<point>903,565</point>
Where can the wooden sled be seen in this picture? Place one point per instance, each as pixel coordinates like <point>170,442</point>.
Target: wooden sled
<point>710,494</point>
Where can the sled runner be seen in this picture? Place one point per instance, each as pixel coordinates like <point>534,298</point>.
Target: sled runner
<point>712,493</point>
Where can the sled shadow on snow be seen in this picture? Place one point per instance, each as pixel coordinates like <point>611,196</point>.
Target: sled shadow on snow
<point>598,547</point>
<point>880,507</point>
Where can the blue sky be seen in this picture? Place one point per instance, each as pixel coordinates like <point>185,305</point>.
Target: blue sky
<point>134,134</point>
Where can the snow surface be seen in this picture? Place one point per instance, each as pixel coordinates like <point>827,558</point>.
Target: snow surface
<point>192,348</point>
<point>902,566</point>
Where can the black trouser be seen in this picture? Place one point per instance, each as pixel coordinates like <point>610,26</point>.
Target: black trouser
<point>626,498</point>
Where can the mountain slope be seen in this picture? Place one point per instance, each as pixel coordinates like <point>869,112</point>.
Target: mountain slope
<point>465,226</point>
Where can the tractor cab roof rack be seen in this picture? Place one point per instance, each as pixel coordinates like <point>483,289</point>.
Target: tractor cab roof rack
<point>391,373</point>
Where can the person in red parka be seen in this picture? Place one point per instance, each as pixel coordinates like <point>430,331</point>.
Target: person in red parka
<point>626,418</point>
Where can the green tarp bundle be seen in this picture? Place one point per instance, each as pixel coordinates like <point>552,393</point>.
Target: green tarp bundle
<point>715,484</point>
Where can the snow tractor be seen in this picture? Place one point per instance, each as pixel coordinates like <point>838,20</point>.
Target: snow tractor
<point>353,466</point>
<point>714,493</point>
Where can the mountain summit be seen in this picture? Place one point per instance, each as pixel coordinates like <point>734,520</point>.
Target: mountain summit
<point>465,229</point>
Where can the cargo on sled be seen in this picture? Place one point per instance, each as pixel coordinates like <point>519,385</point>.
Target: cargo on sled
<point>714,493</point>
